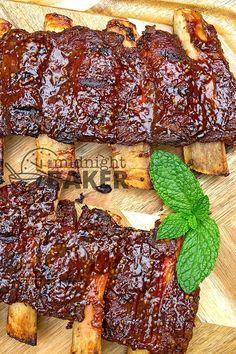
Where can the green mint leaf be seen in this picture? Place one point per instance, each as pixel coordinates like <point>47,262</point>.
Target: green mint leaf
<point>201,208</point>
<point>175,183</point>
<point>174,225</point>
<point>181,191</point>
<point>192,221</point>
<point>198,255</point>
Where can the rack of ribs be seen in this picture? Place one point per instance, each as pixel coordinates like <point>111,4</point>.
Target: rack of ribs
<point>92,271</point>
<point>103,86</point>
<point>84,85</point>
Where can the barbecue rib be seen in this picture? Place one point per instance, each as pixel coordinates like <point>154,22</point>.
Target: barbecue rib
<point>136,158</point>
<point>26,205</point>
<point>63,159</point>
<point>141,300</point>
<point>83,85</point>
<point>50,265</point>
<point>21,320</point>
<point>208,158</point>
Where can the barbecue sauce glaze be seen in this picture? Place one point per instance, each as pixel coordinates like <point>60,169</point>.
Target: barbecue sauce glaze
<point>52,262</point>
<point>84,85</point>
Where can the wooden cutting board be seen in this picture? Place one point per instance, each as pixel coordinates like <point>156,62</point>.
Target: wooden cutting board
<point>215,331</point>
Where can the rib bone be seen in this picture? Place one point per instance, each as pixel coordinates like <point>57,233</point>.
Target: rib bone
<point>63,165</point>
<point>207,158</point>
<point>136,158</point>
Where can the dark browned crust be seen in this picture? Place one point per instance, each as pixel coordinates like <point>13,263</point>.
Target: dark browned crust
<point>32,341</point>
<point>110,94</point>
<point>52,262</point>
<point>143,307</point>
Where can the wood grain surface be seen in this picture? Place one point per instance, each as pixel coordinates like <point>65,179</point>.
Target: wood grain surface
<point>215,332</point>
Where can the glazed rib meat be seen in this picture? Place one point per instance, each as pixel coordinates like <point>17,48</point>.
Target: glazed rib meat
<point>49,261</point>
<point>84,85</point>
<point>22,208</point>
<point>144,305</point>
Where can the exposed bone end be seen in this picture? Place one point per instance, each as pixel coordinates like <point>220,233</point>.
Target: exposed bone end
<point>86,335</point>
<point>138,178</point>
<point>133,162</point>
<point>57,159</point>
<point>181,30</point>
<point>22,323</point>
<point>5,26</point>
<point>57,23</point>
<point>85,338</point>
<point>126,29</point>
<point>207,158</point>
<point>194,21</point>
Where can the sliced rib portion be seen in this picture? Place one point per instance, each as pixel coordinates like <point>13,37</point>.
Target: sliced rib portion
<point>87,334</point>
<point>22,206</point>
<point>55,158</point>
<point>144,304</point>
<point>60,267</point>
<point>121,222</point>
<point>22,319</point>
<point>135,158</point>
<point>196,37</point>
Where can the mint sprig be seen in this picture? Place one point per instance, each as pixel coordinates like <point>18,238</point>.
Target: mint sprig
<point>198,255</point>
<point>175,184</point>
<point>180,190</point>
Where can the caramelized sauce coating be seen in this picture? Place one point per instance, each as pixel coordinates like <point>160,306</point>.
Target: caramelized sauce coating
<point>84,85</point>
<point>50,261</point>
<point>144,305</point>
<point>23,208</point>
